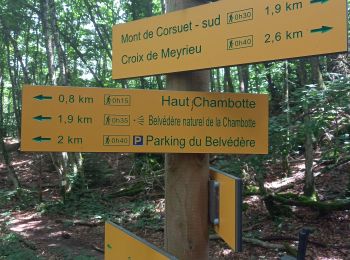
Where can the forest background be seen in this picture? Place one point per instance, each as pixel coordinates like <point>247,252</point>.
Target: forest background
<point>303,181</point>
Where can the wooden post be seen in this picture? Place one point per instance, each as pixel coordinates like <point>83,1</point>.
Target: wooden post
<point>186,180</point>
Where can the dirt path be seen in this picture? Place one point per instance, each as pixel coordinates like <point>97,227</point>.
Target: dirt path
<point>55,236</point>
<point>54,239</point>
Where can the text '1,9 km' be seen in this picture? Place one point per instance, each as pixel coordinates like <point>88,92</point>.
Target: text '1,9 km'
<point>115,120</point>
<point>228,33</point>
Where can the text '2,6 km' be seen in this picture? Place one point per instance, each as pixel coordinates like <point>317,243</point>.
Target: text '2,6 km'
<point>228,33</point>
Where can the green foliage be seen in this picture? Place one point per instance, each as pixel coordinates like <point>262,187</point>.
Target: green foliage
<point>12,248</point>
<point>96,170</point>
<point>157,7</point>
<point>139,215</point>
<point>136,9</point>
<point>84,32</point>
<point>329,123</point>
<point>250,190</point>
<point>245,206</point>
<point>276,211</point>
<point>18,199</point>
<point>148,163</point>
<point>232,165</point>
<point>297,197</point>
<point>86,205</point>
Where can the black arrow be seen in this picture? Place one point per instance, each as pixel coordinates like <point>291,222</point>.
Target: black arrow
<point>322,29</point>
<point>41,97</point>
<point>41,139</point>
<point>42,118</point>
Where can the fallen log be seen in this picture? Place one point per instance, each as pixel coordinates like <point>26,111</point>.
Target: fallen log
<point>323,206</point>
<point>291,238</point>
<point>282,247</point>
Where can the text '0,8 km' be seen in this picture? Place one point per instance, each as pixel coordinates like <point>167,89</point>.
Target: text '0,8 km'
<point>228,33</point>
<point>116,120</point>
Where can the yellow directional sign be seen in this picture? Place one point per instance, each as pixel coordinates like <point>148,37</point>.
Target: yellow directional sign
<point>229,226</point>
<point>120,244</point>
<point>115,120</point>
<point>227,33</point>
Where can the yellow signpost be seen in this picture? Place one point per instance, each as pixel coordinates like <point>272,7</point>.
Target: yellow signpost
<point>115,120</point>
<point>229,226</point>
<point>227,33</point>
<point>120,244</point>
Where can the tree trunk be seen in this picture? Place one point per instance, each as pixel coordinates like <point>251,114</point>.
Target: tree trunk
<point>17,54</point>
<point>19,58</point>
<point>14,91</point>
<point>243,76</point>
<point>159,82</point>
<point>62,60</point>
<point>317,79</point>
<point>275,97</point>
<point>309,186</point>
<point>257,73</point>
<point>143,83</point>
<point>287,148</point>
<point>82,58</point>
<point>218,85</point>
<point>49,43</point>
<point>212,80</point>
<point>105,27</point>
<point>186,181</point>
<point>338,64</point>
<point>162,4</point>
<point>228,80</point>
<point>316,74</point>
<point>186,188</point>
<point>124,83</point>
<point>97,28</point>
<point>11,173</point>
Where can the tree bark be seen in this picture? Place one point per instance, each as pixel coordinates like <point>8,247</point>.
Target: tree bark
<point>62,60</point>
<point>243,76</point>
<point>11,173</point>
<point>49,42</point>
<point>218,85</point>
<point>309,185</point>
<point>97,28</point>
<point>229,88</point>
<point>186,180</point>
<point>257,72</point>
<point>324,207</point>
<point>275,97</point>
<point>338,64</point>
<point>82,58</point>
<point>212,80</point>
<point>14,91</point>
<point>287,149</point>
<point>317,77</point>
<point>159,82</point>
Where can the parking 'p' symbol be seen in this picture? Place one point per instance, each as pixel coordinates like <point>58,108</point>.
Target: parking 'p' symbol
<point>137,140</point>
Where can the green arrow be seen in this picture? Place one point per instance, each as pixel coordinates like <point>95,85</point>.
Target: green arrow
<point>40,139</point>
<point>322,29</point>
<point>109,246</point>
<point>41,97</point>
<point>42,118</point>
<point>318,1</point>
